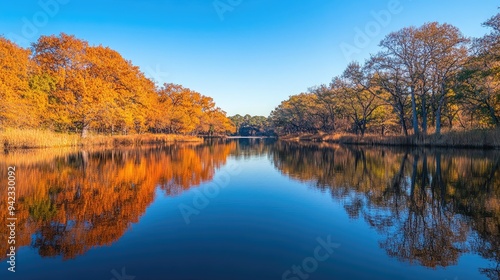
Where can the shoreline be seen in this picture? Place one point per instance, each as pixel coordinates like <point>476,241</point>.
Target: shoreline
<point>12,139</point>
<point>474,139</point>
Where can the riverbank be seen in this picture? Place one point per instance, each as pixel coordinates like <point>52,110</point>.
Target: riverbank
<point>483,139</point>
<point>34,138</point>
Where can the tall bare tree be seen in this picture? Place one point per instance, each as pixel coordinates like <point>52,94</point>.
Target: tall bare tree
<point>447,49</point>
<point>392,79</point>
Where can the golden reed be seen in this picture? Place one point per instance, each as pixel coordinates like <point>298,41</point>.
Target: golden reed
<point>36,138</point>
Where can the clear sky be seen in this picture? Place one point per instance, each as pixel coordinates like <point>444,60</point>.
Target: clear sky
<point>248,55</point>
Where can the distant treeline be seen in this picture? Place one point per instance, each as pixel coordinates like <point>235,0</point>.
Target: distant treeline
<point>252,125</point>
<point>424,78</point>
<point>63,84</point>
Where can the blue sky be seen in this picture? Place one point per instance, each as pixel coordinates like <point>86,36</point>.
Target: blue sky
<point>248,55</point>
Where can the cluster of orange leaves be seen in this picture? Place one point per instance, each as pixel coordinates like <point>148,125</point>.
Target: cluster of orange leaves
<point>64,84</point>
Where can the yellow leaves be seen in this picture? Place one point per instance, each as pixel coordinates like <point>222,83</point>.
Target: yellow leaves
<point>14,87</point>
<point>58,53</point>
<point>187,111</point>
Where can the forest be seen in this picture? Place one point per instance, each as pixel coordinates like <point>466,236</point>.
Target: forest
<point>63,84</point>
<point>424,80</point>
<point>248,125</point>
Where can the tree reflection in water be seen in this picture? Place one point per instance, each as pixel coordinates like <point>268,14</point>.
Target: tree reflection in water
<point>430,206</point>
<point>70,203</point>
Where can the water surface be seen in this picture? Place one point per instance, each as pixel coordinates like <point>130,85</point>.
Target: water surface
<point>254,209</point>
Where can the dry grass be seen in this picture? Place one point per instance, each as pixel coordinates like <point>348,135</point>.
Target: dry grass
<point>466,139</point>
<point>137,140</point>
<point>34,138</point>
<point>455,139</point>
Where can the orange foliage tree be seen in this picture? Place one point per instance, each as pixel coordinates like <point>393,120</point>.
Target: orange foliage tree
<point>19,106</point>
<point>65,84</point>
<point>190,112</point>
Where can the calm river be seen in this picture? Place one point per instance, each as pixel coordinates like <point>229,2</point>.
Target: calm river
<point>253,209</point>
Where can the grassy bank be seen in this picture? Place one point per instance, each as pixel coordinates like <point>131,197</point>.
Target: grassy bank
<point>456,139</point>
<point>34,138</point>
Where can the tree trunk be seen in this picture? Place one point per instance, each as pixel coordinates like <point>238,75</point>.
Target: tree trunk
<point>424,115</point>
<point>433,114</point>
<point>450,120</point>
<point>493,115</point>
<point>438,120</point>
<point>414,112</point>
<point>85,131</point>
<point>402,120</point>
<point>333,122</point>
<point>438,110</point>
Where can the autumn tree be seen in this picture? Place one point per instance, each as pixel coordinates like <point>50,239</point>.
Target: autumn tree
<point>363,98</point>
<point>297,114</point>
<point>67,85</point>
<point>429,57</point>
<point>447,49</point>
<point>406,54</point>
<point>319,110</point>
<point>480,79</point>
<point>63,59</point>
<point>20,106</point>
<point>123,97</point>
<point>388,76</point>
<point>328,106</point>
<point>185,111</point>
<point>95,87</point>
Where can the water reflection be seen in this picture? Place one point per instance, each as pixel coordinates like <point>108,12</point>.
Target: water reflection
<point>70,203</point>
<point>430,206</point>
